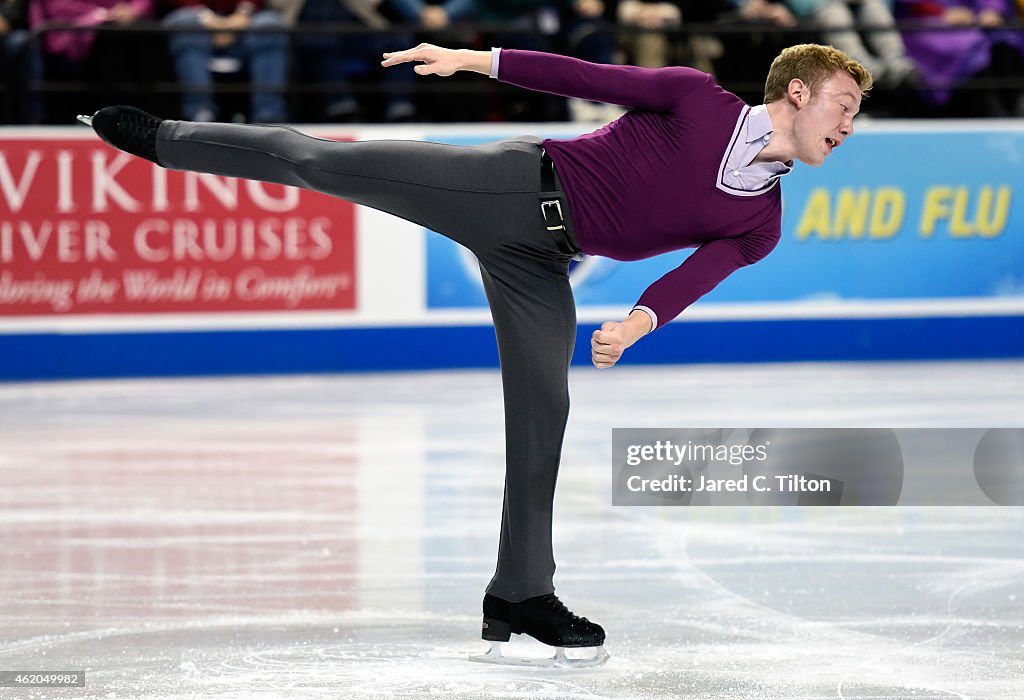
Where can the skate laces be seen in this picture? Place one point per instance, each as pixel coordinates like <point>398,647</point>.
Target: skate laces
<point>558,607</point>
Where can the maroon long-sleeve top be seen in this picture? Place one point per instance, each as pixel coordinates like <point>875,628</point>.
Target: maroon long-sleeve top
<point>650,182</point>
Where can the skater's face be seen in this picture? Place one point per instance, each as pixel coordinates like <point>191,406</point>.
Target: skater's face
<point>824,117</point>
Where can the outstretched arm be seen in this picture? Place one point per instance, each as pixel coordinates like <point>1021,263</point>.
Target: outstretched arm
<point>436,60</point>
<point>653,89</point>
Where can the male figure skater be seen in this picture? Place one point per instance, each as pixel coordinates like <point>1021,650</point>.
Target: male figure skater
<point>690,166</point>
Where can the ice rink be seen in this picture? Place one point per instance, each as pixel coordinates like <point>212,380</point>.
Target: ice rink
<point>331,537</point>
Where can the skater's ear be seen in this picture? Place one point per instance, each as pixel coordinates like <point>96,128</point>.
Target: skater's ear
<point>798,93</point>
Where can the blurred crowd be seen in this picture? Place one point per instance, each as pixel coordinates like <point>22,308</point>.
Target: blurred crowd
<point>286,60</point>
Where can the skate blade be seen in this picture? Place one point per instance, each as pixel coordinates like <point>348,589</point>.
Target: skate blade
<point>85,119</point>
<point>559,660</point>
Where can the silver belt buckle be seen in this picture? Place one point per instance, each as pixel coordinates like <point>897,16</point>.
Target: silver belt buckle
<point>558,208</point>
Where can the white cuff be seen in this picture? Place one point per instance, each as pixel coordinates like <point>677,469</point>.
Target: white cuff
<point>649,312</point>
<point>495,53</point>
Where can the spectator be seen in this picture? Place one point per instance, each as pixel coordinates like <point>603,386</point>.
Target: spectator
<point>18,63</point>
<point>579,26</point>
<point>949,58</point>
<point>1020,97</point>
<point>587,33</point>
<point>655,49</point>
<point>1007,54</point>
<point>263,54</point>
<point>651,48</point>
<point>887,61</point>
<point>747,55</point>
<point>573,27</point>
<point>766,12</point>
<point>433,16</point>
<point>587,30</point>
<point>450,21</point>
<point>80,55</point>
<point>333,59</point>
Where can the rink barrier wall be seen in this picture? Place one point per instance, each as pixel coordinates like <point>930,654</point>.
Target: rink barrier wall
<point>253,352</point>
<point>112,267</point>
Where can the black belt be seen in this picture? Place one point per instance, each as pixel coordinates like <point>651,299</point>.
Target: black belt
<point>548,178</point>
<point>551,206</point>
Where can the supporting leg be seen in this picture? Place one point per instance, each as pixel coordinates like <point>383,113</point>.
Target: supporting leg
<point>535,322</point>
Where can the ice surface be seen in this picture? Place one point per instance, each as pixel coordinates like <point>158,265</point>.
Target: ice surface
<point>330,537</point>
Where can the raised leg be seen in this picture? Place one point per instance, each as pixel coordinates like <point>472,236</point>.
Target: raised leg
<point>481,196</point>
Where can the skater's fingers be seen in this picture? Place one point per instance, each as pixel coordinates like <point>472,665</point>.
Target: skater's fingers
<point>606,352</point>
<point>606,337</point>
<point>423,52</point>
<point>428,66</point>
<point>608,343</point>
<point>395,57</point>
<point>611,331</point>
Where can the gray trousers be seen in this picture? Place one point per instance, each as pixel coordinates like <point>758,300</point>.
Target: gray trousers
<point>486,198</point>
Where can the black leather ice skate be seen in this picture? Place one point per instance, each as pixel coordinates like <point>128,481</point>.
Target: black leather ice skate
<point>546,619</point>
<point>128,129</point>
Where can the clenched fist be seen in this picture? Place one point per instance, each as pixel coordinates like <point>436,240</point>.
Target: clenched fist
<point>609,342</point>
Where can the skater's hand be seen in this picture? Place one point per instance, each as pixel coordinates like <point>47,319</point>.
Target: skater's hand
<point>609,342</point>
<point>439,61</point>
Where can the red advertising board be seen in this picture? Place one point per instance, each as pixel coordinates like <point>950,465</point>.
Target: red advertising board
<point>85,229</point>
